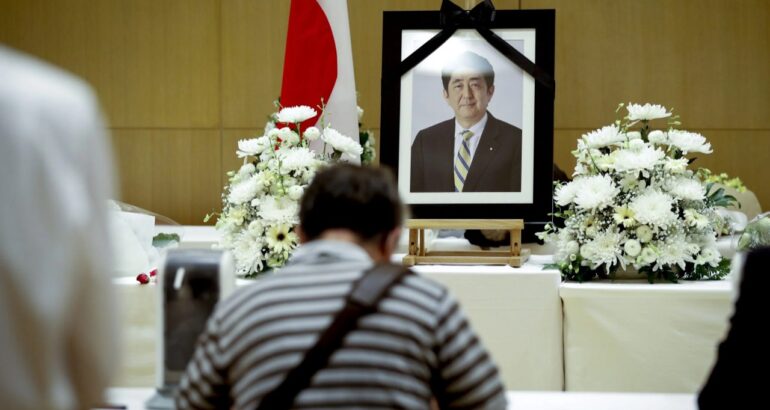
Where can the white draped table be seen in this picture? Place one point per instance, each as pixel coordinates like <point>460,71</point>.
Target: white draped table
<point>544,335</point>
<point>637,337</point>
<point>516,312</point>
<point>134,398</point>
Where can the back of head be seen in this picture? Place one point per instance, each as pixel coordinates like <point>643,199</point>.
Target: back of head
<point>470,61</point>
<point>363,200</point>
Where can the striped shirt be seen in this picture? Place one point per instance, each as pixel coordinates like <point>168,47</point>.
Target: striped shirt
<point>417,345</point>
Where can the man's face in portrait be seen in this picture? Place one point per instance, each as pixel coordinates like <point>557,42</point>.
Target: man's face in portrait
<point>468,95</point>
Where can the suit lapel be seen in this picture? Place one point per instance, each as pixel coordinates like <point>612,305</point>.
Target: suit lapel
<point>445,174</point>
<point>489,145</point>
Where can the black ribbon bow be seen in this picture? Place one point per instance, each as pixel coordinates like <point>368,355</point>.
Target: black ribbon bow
<point>478,18</point>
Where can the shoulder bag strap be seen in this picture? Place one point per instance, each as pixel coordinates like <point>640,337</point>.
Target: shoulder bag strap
<point>364,298</point>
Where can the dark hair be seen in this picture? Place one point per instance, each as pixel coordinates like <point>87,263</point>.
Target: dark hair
<point>468,59</point>
<point>364,200</point>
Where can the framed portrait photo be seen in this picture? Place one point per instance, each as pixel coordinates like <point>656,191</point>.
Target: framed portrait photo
<point>469,132</point>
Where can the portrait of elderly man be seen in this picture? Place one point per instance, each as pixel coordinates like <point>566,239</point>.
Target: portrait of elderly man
<point>474,151</point>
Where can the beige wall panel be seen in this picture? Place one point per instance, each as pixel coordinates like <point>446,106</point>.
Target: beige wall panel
<point>564,141</point>
<point>175,173</point>
<point>707,58</point>
<point>253,44</point>
<point>744,154</point>
<point>153,63</point>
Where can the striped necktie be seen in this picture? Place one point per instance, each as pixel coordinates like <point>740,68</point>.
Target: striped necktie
<point>463,161</point>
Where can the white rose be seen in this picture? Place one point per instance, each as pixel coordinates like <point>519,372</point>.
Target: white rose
<point>295,192</point>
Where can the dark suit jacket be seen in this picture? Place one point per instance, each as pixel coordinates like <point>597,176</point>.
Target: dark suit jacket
<point>739,379</point>
<point>496,165</point>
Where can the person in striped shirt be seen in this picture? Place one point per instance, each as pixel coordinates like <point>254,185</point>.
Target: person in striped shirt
<point>415,351</point>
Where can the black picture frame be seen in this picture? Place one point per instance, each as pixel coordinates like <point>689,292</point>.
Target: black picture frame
<point>535,210</point>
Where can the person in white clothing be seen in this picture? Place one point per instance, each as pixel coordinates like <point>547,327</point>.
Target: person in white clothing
<point>57,343</point>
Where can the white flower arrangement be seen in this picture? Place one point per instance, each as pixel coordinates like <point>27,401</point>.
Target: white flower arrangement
<point>261,200</point>
<point>634,204</point>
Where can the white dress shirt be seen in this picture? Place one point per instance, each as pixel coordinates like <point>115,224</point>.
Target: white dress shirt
<point>473,142</point>
<point>57,327</point>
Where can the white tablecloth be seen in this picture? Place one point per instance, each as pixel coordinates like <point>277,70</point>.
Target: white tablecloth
<point>637,337</point>
<point>623,336</point>
<point>515,311</point>
<point>134,399</point>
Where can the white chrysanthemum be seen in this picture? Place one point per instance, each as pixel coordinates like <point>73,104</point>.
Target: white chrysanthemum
<point>566,250</point>
<point>280,209</point>
<point>605,162</point>
<point>657,137</point>
<point>675,251</point>
<point>288,136</point>
<point>653,208</point>
<point>280,238</point>
<point>247,250</point>
<point>312,133</point>
<point>341,143</point>
<point>298,159</point>
<point>644,233</point>
<point>641,159</point>
<point>603,249</point>
<point>708,256</point>
<point>296,114</point>
<point>256,228</point>
<point>252,147</point>
<point>603,137</point>
<point>646,112</point>
<point>687,189</point>
<point>244,191</point>
<point>636,144</point>
<point>246,169</point>
<point>687,141</point>
<point>596,192</point>
<point>236,216</point>
<point>633,135</point>
<point>675,166</point>
<point>696,219</point>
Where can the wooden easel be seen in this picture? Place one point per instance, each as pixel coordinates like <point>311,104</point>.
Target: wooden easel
<point>514,256</point>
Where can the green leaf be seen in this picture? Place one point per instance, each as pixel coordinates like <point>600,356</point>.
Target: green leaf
<point>163,240</point>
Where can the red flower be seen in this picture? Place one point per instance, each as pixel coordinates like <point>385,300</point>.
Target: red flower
<point>143,278</point>
<point>153,272</point>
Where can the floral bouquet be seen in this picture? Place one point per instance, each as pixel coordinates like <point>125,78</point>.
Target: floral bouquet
<point>635,205</point>
<point>261,200</point>
<point>365,137</point>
